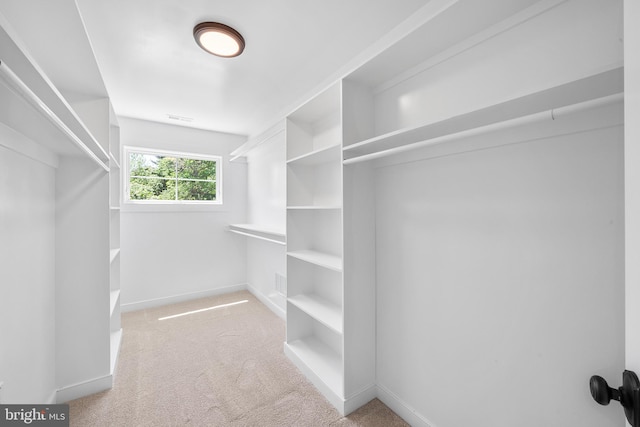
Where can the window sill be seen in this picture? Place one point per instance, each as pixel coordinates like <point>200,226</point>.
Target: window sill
<point>160,208</point>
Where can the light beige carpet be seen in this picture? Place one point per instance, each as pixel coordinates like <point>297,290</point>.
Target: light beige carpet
<point>222,366</point>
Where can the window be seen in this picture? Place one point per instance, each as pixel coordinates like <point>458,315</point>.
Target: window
<point>154,176</point>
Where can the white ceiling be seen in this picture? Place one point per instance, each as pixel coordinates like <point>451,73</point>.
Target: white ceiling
<point>152,67</point>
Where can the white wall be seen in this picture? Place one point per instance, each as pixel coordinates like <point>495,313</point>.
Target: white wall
<point>632,179</point>
<point>500,286</point>
<point>500,271</point>
<point>82,272</point>
<point>266,177</point>
<point>264,261</point>
<point>175,253</point>
<point>27,280</point>
<point>266,206</point>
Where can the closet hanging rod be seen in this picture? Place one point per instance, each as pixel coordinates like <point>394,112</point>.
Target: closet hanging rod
<point>259,237</point>
<point>251,144</point>
<point>27,94</point>
<point>552,114</point>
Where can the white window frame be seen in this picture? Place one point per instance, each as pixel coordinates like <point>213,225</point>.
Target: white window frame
<point>170,153</point>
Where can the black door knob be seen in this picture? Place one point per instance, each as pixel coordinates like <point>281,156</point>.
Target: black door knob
<point>628,394</point>
<point>601,392</point>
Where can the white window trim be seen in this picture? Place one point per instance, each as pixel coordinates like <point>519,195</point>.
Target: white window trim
<point>171,204</point>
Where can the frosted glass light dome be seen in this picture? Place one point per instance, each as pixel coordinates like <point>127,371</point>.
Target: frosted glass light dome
<point>219,39</point>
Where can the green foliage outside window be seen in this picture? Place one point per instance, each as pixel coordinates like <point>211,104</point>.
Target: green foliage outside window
<point>155,177</point>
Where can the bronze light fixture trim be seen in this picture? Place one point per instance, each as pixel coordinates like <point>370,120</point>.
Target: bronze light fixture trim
<point>218,39</point>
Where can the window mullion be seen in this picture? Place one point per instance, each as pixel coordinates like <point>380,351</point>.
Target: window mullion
<point>176,176</point>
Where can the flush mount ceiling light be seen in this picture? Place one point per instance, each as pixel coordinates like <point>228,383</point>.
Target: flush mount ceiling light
<point>218,39</point>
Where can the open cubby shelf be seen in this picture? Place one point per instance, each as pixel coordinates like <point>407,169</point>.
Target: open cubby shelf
<point>318,359</point>
<point>323,311</point>
<point>318,157</point>
<point>321,259</point>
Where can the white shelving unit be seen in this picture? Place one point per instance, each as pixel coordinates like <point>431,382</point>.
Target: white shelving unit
<point>70,132</point>
<point>114,236</point>
<point>100,117</point>
<point>316,320</point>
<point>404,104</point>
<point>330,302</point>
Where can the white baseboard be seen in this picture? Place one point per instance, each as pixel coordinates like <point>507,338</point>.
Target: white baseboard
<point>157,302</point>
<point>401,408</point>
<point>337,401</point>
<point>83,389</point>
<point>266,300</point>
<point>52,398</point>
<point>360,398</point>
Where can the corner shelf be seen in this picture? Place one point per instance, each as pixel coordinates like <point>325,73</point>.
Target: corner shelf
<point>259,232</point>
